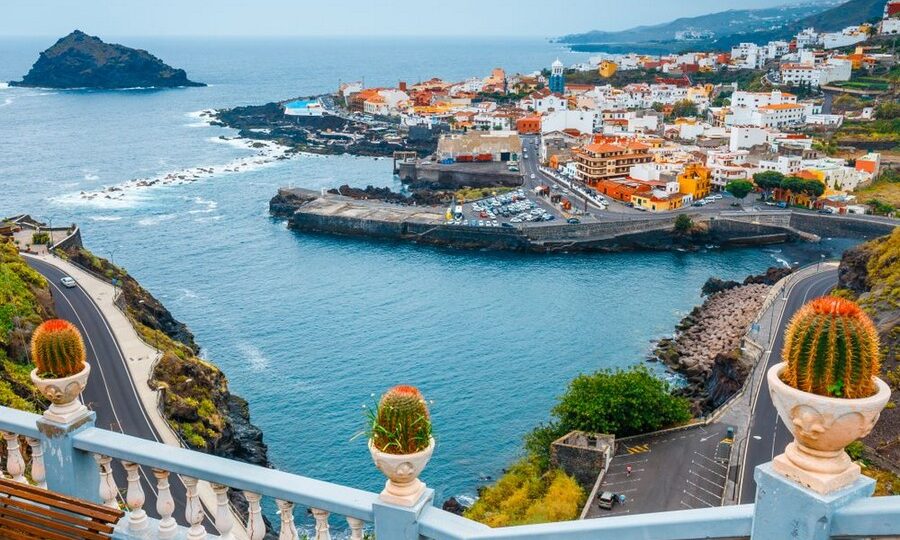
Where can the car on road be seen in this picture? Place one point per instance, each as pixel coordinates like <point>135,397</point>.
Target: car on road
<point>532,176</point>
<point>573,221</point>
<point>67,282</point>
<point>606,500</point>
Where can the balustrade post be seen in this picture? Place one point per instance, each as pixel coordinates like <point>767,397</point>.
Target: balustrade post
<point>15,463</point>
<point>38,472</point>
<point>786,509</point>
<point>400,522</point>
<point>165,505</point>
<point>70,471</point>
<point>137,517</point>
<point>356,528</point>
<point>108,490</point>
<point>193,510</point>
<point>256,527</point>
<point>288,530</point>
<point>323,530</point>
<point>224,520</point>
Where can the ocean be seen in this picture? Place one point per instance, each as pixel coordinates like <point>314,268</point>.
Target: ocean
<point>307,328</point>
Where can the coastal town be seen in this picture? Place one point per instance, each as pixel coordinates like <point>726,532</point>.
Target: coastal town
<point>579,147</point>
<point>647,289</point>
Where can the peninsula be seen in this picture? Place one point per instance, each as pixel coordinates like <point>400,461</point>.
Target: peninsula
<point>82,61</point>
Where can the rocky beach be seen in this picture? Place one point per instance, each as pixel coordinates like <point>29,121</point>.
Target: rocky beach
<point>705,348</point>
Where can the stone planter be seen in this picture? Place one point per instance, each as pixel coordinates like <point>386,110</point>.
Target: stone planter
<point>63,395</point>
<point>822,426</point>
<point>403,486</point>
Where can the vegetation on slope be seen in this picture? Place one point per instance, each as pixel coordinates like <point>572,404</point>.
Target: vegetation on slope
<point>621,402</point>
<point>196,399</point>
<point>871,273</point>
<point>24,303</point>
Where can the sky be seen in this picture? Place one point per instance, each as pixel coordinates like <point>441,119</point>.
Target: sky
<point>545,18</point>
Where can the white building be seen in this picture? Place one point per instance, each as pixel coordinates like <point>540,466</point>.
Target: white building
<point>764,109</point>
<point>725,167</point>
<point>807,38</point>
<point>812,74</point>
<point>786,165</point>
<point>744,137</point>
<point>889,26</point>
<point>846,37</point>
<point>583,121</point>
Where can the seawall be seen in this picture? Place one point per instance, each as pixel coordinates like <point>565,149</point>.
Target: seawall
<point>334,214</point>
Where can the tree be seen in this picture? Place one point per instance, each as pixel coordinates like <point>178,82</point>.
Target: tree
<point>683,224</point>
<point>813,188</point>
<point>622,402</point>
<point>739,188</point>
<point>684,107</point>
<point>767,181</point>
<point>880,208</point>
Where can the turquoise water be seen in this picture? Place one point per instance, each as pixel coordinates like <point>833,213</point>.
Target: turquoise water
<point>308,327</point>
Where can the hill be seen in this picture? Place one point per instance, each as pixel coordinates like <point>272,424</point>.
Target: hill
<point>82,61</point>
<point>721,24</point>
<point>839,17</point>
<point>730,27</point>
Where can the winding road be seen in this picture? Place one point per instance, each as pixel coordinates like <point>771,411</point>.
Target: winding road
<point>768,436</point>
<point>110,391</point>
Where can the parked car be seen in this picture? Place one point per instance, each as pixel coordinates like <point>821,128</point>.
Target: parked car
<point>573,221</point>
<point>67,282</point>
<point>606,500</point>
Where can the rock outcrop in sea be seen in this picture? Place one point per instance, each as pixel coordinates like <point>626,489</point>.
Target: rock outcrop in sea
<point>82,61</point>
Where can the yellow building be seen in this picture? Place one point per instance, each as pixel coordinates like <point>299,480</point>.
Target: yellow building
<point>648,201</point>
<point>694,181</point>
<point>607,69</point>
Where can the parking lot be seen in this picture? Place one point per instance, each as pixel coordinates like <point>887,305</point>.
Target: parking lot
<point>670,471</point>
<point>516,208</point>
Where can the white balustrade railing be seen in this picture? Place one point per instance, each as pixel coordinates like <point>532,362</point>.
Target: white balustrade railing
<point>95,451</point>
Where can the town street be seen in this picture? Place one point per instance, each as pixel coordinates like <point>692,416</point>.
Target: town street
<point>110,392</point>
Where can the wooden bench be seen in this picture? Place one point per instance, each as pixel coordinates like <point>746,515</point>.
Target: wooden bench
<point>28,512</point>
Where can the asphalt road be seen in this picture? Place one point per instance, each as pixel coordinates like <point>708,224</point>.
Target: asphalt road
<point>670,471</point>
<point>768,436</point>
<point>110,391</point>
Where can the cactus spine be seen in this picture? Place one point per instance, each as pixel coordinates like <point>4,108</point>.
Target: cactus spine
<point>57,349</point>
<point>831,349</point>
<point>401,425</point>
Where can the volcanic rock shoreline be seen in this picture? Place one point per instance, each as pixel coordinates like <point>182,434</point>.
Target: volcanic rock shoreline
<point>706,346</point>
<point>328,134</point>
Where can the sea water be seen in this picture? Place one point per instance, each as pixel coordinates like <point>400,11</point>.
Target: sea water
<point>307,327</point>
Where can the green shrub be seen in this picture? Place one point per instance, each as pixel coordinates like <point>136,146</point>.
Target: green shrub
<point>621,402</point>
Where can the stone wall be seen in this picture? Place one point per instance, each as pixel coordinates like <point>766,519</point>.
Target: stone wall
<point>455,176</point>
<point>841,226</point>
<point>583,456</point>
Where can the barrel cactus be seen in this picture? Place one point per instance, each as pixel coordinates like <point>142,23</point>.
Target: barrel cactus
<point>57,349</point>
<point>401,424</point>
<point>831,349</point>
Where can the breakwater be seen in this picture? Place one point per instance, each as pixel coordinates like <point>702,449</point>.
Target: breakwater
<point>311,211</point>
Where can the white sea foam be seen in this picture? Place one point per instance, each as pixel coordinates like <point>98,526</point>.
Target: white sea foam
<point>201,118</point>
<point>6,101</point>
<point>90,176</point>
<point>155,220</point>
<point>258,361</point>
<point>105,218</point>
<point>4,85</point>
<point>124,195</point>
<point>208,206</point>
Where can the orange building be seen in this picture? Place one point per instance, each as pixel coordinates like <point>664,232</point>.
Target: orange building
<point>528,125</point>
<point>604,160</point>
<point>621,190</point>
